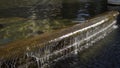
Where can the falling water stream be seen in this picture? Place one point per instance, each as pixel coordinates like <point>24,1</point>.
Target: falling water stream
<point>103,54</point>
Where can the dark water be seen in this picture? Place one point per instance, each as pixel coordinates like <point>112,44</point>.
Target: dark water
<point>44,15</point>
<point>104,54</point>
<point>78,11</point>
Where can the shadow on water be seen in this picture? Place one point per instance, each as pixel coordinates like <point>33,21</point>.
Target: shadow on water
<point>118,19</point>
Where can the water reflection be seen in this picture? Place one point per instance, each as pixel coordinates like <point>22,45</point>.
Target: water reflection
<point>83,10</point>
<point>37,20</point>
<point>49,9</point>
<point>44,16</point>
<point>104,54</point>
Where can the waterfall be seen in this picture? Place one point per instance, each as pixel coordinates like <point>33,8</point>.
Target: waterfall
<point>76,40</point>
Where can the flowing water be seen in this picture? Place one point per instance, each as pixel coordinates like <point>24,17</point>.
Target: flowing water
<point>44,16</point>
<point>104,54</point>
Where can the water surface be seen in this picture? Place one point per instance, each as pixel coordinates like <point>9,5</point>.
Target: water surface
<point>103,54</point>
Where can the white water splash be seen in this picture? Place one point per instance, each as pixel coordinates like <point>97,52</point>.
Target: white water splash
<point>115,26</point>
<point>86,28</point>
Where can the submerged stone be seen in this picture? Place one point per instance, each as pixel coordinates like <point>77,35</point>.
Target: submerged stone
<point>39,32</point>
